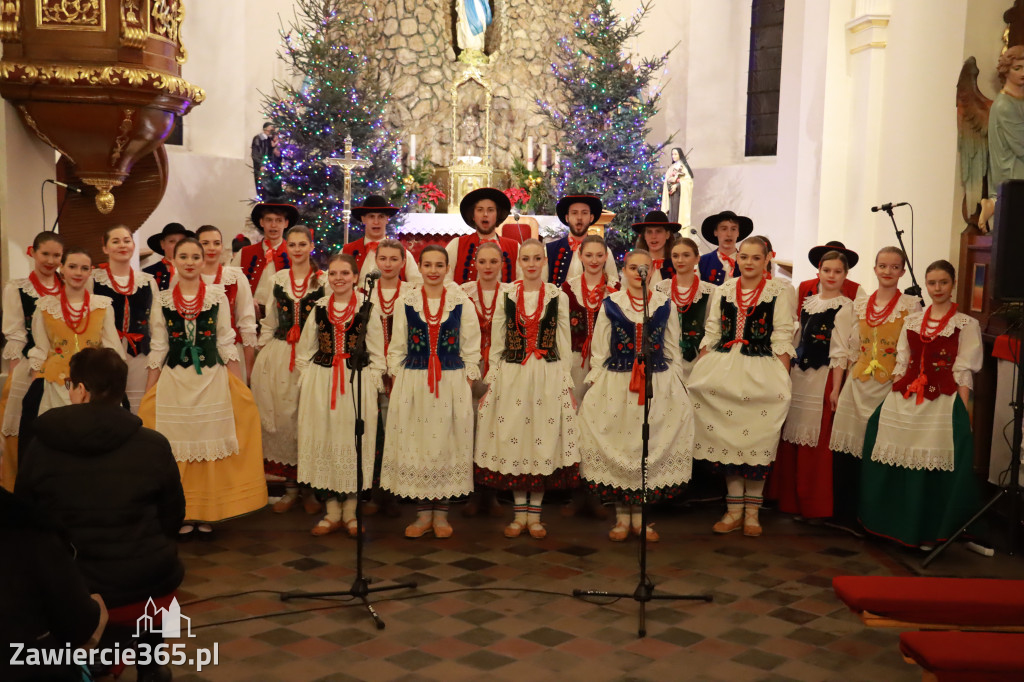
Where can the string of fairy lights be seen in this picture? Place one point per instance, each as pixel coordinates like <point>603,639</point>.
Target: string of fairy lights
<point>602,122</point>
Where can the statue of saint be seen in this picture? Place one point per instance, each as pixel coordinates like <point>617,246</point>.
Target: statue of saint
<point>1006,124</point>
<point>469,134</point>
<point>474,16</point>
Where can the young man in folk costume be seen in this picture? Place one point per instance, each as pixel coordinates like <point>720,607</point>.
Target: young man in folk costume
<point>262,260</point>
<point>656,235</point>
<point>725,229</point>
<point>164,242</point>
<point>482,209</point>
<point>851,289</point>
<point>374,215</point>
<point>577,212</point>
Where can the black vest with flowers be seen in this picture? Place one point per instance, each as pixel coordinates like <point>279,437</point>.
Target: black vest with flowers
<point>547,332</point>
<point>324,356</point>
<point>286,306</point>
<point>757,330</point>
<point>623,338</point>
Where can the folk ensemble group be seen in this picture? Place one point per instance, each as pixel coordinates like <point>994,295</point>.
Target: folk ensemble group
<point>492,364</point>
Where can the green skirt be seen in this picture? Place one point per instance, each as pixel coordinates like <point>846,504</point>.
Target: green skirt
<point>919,506</point>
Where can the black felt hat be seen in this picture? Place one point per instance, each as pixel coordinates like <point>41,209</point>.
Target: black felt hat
<point>374,203</point>
<point>563,205</point>
<point>468,204</point>
<point>153,242</point>
<point>707,228</point>
<point>655,219</point>
<point>290,211</point>
<point>815,254</point>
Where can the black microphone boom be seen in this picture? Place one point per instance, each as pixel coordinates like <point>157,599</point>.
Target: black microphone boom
<point>70,188</point>
<point>888,207</point>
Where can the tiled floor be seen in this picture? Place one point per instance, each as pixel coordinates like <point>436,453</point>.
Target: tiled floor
<point>491,608</point>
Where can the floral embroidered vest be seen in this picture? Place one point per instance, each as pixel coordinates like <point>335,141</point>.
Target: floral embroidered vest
<point>815,338</point>
<point>547,332</point>
<point>691,328</point>
<point>418,341</point>
<point>64,342</point>
<point>937,364</point>
<point>624,338</point>
<point>140,304</point>
<point>757,330</point>
<point>28,306</point>
<point>877,356</point>
<point>578,326</point>
<point>324,356</point>
<point>286,308</point>
<point>179,341</point>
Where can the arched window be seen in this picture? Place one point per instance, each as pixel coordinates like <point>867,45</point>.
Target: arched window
<point>764,77</point>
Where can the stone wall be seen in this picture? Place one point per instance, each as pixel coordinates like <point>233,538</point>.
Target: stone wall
<point>416,57</point>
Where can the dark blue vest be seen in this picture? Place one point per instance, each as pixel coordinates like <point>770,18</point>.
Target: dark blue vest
<point>559,257</point>
<point>139,306</point>
<point>623,340</point>
<point>711,269</point>
<point>160,273</point>
<point>815,338</point>
<point>418,341</point>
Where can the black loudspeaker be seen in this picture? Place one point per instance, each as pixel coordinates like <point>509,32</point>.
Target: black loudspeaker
<point>1008,242</point>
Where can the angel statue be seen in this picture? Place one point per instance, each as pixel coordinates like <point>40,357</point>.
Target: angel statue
<point>1006,127</point>
<point>972,114</point>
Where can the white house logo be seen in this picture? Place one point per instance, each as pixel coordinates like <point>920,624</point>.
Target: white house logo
<point>170,620</point>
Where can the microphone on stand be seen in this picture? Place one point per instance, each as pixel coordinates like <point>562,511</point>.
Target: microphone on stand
<point>374,274</point>
<point>888,207</point>
<point>643,270</point>
<point>70,188</point>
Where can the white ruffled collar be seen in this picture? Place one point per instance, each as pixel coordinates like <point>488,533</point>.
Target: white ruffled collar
<point>283,278</point>
<point>772,289</point>
<point>25,284</point>
<point>213,296</point>
<point>816,304</point>
<point>905,304</point>
<point>229,275</point>
<point>550,290</point>
<point>469,288</point>
<point>703,289</point>
<point>102,276</point>
<point>454,296</point>
<point>958,321</point>
<point>51,304</point>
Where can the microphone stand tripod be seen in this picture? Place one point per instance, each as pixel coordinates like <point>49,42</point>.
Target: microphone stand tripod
<point>914,290</point>
<point>360,585</point>
<point>644,591</point>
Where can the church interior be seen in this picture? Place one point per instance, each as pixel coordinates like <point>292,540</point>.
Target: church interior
<point>820,120</point>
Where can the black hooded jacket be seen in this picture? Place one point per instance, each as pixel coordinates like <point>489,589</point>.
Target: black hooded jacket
<point>113,487</point>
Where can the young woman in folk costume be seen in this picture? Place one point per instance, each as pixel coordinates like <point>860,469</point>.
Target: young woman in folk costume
<point>19,305</point>
<point>740,385</point>
<point>801,478</point>
<point>585,293</point>
<point>132,293</point>
<point>656,235</point>
<point>526,429</point>
<point>691,296</point>
<point>196,398</point>
<point>239,294</point>
<point>880,320</point>
<point>390,259</point>
<point>611,417</point>
<point>326,358</point>
<point>274,381</point>
<point>62,325</point>
<point>434,356</point>
<point>917,484</point>
<point>485,293</point>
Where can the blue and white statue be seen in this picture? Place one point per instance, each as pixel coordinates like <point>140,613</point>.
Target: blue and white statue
<point>474,18</point>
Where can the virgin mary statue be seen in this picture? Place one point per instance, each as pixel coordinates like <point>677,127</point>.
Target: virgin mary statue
<point>474,18</point>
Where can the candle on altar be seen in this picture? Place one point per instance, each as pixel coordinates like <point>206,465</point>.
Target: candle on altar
<point>412,149</point>
<point>529,153</point>
<point>555,165</point>
<point>543,157</point>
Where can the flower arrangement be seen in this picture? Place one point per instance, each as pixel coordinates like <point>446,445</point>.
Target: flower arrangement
<point>428,196</point>
<point>517,196</point>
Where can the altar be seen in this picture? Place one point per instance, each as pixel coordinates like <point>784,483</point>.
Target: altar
<point>417,230</point>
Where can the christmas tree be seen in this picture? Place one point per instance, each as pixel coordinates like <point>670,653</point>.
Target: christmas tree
<point>336,93</point>
<point>603,125</point>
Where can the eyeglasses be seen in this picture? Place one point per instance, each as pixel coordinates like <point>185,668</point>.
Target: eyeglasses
<point>69,384</point>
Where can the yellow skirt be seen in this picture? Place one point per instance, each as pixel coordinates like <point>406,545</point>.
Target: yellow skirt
<point>223,488</point>
<point>9,462</point>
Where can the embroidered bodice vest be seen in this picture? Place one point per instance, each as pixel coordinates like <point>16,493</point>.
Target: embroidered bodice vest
<point>181,339</point>
<point>64,342</point>
<point>286,308</point>
<point>691,328</point>
<point>161,273</point>
<point>937,364</point>
<point>28,307</point>
<point>578,327</point>
<point>757,328</point>
<point>515,333</point>
<point>139,304</point>
<point>624,338</point>
<point>326,349</point>
<point>877,356</point>
<point>815,338</point>
<point>418,340</point>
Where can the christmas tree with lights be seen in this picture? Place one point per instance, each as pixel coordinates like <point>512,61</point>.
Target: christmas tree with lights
<point>603,124</point>
<point>336,93</point>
